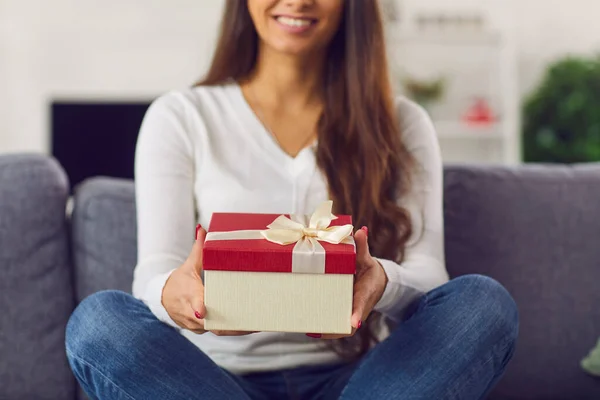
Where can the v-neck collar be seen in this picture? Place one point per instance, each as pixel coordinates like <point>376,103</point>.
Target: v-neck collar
<point>265,141</point>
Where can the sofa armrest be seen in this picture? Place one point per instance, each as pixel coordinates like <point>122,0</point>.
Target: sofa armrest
<point>36,294</point>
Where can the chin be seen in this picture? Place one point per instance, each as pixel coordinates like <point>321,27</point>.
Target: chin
<point>295,49</point>
<point>296,52</point>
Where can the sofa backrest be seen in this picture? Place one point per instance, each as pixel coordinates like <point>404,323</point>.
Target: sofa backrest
<point>104,236</point>
<point>36,294</point>
<point>534,229</point>
<point>537,231</point>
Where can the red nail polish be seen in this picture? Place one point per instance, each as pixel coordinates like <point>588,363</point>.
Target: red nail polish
<point>359,324</point>
<point>197,314</point>
<point>198,227</point>
<point>366,230</point>
<point>314,335</point>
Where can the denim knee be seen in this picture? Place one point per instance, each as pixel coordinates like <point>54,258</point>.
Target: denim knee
<point>489,304</point>
<point>92,325</point>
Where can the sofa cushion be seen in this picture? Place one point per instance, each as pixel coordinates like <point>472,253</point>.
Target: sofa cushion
<point>36,296</point>
<point>104,236</point>
<point>536,230</point>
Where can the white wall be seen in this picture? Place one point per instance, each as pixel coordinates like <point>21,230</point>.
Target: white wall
<point>547,29</point>
<point>114,49</point>
<point>94,49</point>
<point>543,29</point>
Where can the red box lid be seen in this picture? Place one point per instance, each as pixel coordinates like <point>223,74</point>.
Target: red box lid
<point>260,255</point>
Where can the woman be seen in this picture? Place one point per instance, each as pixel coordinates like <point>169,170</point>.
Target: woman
<point>296,109</point>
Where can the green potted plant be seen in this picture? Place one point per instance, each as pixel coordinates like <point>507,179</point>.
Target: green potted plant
<point>425,92</point>
<point>561,117</point>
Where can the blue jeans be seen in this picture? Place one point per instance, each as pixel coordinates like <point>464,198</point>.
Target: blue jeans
<point>455,345</point>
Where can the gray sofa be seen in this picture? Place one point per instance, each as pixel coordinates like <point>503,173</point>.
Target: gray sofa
<point>535,229</point>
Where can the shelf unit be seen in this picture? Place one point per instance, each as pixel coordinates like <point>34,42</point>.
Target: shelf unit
<point>476,62</point>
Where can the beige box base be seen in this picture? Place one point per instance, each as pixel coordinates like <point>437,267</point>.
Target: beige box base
<point>278,302</point>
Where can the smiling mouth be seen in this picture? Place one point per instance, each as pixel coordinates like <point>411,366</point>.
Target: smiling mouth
<point>295,22</point>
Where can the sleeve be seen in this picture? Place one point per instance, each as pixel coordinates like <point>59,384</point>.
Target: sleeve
<point>423,267</point>
<point>164,183</point>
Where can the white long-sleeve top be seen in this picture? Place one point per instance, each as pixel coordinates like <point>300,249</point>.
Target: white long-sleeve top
<point>203,150</point>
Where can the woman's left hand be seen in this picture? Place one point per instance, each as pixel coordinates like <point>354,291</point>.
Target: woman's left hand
<point>369,284</point>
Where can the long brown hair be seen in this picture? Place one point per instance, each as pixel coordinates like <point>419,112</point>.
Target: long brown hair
<point>360,150</point>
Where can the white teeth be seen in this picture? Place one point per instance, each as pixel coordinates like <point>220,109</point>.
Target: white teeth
<point>293,21</point>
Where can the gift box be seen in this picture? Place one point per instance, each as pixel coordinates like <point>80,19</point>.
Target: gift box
<point>279,273</point>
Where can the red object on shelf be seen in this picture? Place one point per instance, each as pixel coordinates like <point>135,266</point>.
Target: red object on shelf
<point>480,113</point>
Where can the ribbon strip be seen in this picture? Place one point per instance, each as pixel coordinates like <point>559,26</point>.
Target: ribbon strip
<point>308,255</point>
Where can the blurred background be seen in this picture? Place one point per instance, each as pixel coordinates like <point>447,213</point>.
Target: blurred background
<point>505,81</point>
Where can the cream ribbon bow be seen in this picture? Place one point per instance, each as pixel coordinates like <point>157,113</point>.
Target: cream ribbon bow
<point>286,231</point>
<point>308,255</point>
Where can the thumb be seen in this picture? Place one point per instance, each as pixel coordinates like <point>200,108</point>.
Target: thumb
<point>362,245</point>
<point>195,257</point>
<point>197,301</point>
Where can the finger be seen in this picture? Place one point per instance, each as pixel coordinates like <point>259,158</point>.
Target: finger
<point>196,300</point>
<point>362,246</point>
<point>360,304</point>
<point>197,307</point>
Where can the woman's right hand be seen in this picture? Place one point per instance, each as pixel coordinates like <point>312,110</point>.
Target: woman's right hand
<point>183,294</point>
